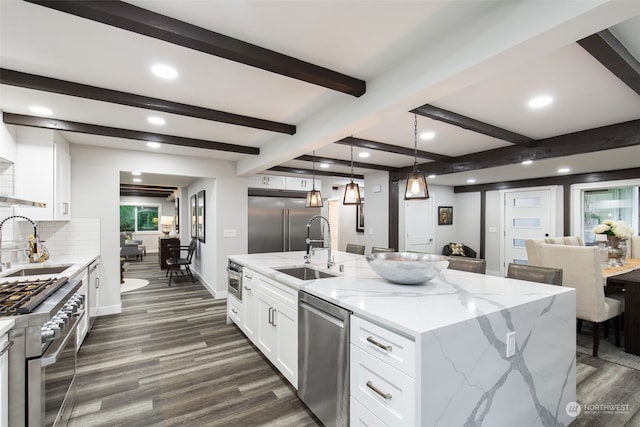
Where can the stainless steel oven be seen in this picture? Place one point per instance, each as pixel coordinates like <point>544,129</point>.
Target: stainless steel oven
<point>42,361</point>
<point>234,281</point>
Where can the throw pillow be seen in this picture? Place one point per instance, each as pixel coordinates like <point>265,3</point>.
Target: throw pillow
<point>457,248</point>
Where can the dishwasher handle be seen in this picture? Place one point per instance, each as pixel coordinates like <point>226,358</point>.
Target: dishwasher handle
<point>336,321</point>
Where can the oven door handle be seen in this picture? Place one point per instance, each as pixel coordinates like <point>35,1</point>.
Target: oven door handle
<point>6,348</point>
<point>50,359</point>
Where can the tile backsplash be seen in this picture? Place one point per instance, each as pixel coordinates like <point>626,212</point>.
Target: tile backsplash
<point>76,237</point>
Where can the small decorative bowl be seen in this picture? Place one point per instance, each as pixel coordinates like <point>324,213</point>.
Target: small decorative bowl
<point>407,268</point>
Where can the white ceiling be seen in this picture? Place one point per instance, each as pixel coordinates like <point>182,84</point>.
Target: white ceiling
<point>481,59</point>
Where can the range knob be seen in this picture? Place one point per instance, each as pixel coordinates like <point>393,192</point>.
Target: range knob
<point>46,335</point>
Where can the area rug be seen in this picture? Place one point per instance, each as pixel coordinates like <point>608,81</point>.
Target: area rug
<point>131,284</point>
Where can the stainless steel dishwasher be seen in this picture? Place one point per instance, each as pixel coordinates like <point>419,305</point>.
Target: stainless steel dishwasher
<point>323,359</point>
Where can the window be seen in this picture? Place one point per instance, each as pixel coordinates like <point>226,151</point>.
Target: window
<point>139,218</point>
<point>617,204</point>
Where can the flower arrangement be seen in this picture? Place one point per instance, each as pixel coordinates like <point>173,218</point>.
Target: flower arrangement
<point>614,228</point>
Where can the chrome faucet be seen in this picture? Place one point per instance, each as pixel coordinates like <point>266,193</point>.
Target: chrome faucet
<point>309,241</point>
<point>2,265</point>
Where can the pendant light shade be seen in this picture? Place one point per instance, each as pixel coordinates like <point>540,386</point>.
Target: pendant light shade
<point>416,181</point>
<point>314,198</point>
<point>351,191</point>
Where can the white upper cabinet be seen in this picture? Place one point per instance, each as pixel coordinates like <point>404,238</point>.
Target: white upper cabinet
<point>302,184</point>
<point>43,173</point>
<point>267,181</point>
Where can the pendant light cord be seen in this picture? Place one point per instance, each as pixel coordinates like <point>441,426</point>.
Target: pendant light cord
<point>415,142</point>
<point>351,158</point>
<point>313,175</point>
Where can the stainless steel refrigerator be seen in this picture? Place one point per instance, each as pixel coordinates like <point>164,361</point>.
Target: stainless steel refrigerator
<point>279,224</point>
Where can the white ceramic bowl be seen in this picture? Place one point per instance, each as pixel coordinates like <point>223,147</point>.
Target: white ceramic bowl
<point>407,268</point>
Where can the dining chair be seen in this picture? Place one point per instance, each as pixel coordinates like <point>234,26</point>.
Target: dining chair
<point>472,265</point>
<point>633,247</point>
<point>582,271</point>
<point>532,245</point>
<point>534,273</point>
<point>176,262</point>
<point>376,249</point>
<point>355,249</point>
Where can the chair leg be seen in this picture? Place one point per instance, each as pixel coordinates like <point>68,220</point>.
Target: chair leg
<point>616,329</point>
<point>579,327</point>
<point>189,273</point>
<point>171,275</point>
<point>606,329</point>
<point>596,338</point>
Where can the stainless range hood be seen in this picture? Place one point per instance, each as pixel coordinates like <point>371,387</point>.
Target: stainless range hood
<point>15,202</point>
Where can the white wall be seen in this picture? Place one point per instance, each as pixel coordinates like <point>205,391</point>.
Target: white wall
<point>95,193</point>
<point>493,238</point>
<point>466,220</point>
<point>376,222</point>
<point>8,142</point>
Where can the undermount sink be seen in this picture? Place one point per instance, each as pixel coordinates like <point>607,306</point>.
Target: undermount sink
<point>33,271</point>
<point>305,273</point>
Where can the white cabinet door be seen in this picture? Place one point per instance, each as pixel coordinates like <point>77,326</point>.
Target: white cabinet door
<point>266,331</point>
<point>250,304</point>
<point>234,310</point>
<point>93,290</point>
<point>62,181</point>
<point>286,322</point>
<point>302,184</point>
<point>83,324</point>
<point>267,181</point>
<point>4,381</point>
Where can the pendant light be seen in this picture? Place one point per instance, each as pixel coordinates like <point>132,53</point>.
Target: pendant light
<point>314,198</point>
<point>416,182</point>
<point>351,191</point>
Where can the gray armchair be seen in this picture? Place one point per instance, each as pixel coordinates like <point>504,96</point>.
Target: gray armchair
<point>130,247</point>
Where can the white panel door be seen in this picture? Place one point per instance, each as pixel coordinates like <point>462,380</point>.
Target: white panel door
<point>418,226</point>
<point>528,215</point>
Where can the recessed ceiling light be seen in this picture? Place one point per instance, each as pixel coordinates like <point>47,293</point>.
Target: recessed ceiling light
<point>427,135</point>
<point>363,154</point>
<point>540,101</point>
<point>431,176</point>
<point>155,120</point>
<point>153,144</point>
<point>136,173</point>
<point>471,180</point>
<point>136,180</point>
<point>564,170</point>
<point>164,71</point>
<point>324,165</point>
<point>37,109</point>
<point>527,162</point>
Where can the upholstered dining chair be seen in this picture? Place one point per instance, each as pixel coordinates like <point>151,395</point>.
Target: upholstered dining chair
<point>582,271</point>
<point>634,247</point>
<point>535,273</point>
<point>355,249</point>
<point>376,249</point>
<point>472,265</point>
<point>532,246</point>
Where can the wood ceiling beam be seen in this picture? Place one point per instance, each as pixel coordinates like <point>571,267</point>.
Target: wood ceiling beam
<point>588,141</point>
<point>380,146</point>
<point>608,50</point>
<point>331,161</point>
<point>68,126</point>
<point>141,193</point>
<point>141,21</point>
<point>311,172</point>
<point>468,123</point>
<point>48,84</point>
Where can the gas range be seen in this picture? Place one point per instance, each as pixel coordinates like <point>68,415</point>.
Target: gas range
<point>42,359</point>
<point>21,297</point>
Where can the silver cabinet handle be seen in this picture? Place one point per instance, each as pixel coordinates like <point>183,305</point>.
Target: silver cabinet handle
<point>378,344</point>
<point>247,288</point>
<point>273,322</point>
<point>270,311</point>
<point>378,391</point>
<point>248,276</point>
<point>234,311</point>
<point>6,348</point>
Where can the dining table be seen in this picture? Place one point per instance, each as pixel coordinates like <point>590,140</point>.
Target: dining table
<point>627,279</point>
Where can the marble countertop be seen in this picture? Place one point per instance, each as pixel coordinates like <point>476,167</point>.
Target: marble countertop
<point>6,325</point>
<point>75,263</point>
<point>452,297</point>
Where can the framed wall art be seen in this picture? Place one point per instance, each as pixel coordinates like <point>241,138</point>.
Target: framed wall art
<point>360,218</point>
<point>445,215</point>
<point>176,220</point>
<point>201,216</point>
<point>194,216</point>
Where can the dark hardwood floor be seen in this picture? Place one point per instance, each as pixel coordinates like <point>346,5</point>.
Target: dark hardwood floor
<point>170,359</point>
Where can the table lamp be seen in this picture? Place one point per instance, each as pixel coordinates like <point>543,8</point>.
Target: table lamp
<point>166,222</point>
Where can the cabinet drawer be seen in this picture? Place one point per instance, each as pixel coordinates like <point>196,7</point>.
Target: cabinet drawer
<point>394,349</point>
<point>388,393</point>
<point>234,310</point>
<point>282,293</point>
<point>362,417</point>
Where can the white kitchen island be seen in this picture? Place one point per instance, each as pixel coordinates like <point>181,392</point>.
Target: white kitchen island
<point>437,353</point>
